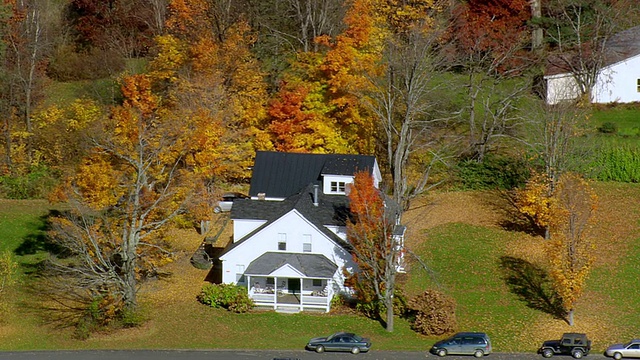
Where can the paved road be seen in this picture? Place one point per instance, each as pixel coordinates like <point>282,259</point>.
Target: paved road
<point>250,355</point>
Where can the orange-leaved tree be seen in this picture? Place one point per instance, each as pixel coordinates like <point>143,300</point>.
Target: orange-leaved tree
<point>207,69</point>
<point>571,249</point>
<point>374,247</point>
<point>139,175</point>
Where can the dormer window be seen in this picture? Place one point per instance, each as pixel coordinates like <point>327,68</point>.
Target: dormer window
<point>338,187</point>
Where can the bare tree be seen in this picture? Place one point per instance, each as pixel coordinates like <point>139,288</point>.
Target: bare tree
<point>579,32</point>
<point>552,131</point>
<point>27,43</point>
<point>405,103</point>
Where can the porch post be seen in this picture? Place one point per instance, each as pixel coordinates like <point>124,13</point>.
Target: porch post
<point>275,293</point>
<point>249,287</point>
<point>329,295</point>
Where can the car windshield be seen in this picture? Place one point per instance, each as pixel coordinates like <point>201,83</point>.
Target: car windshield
<point>357,338</point>
<point>331,336</point>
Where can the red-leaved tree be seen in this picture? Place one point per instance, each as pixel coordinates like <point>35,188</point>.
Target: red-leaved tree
<point>374,247</point>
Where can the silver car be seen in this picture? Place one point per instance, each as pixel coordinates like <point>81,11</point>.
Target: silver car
<point>464,343</point>
<point>628,350</point>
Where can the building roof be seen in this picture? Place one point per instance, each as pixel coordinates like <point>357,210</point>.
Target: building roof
<point>619,47</point>
<point>280,175</point>
<point>311,265</point>
<point>331,210</point>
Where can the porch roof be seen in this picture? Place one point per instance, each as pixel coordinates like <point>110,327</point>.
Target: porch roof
<point>311,265</point>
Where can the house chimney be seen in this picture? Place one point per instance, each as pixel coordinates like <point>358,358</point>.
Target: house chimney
<point>315,194</point>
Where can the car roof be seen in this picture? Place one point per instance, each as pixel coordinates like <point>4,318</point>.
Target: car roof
<point>470,333</point>
<point>344,333</point>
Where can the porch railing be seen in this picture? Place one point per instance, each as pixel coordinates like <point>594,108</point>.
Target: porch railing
<point>305,302</point>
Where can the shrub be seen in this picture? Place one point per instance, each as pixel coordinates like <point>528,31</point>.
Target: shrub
<point>69,65</point>
<point>495,172</point>
<point>432,313</point>
<point>608,128</point>
<point>34,185</point>
<point>231,297</point>
<point>103,312</point>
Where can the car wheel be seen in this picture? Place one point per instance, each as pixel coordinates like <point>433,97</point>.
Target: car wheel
<point>217,209</point>
<point>617,356</point>
<point>442,352</point>
<point>478,353</point>
<point>320,349</point>
<point>355,350</point>
<point>547,353</point>
<point>577,354</point>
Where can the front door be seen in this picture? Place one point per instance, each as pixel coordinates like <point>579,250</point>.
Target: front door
<point>293,285</point>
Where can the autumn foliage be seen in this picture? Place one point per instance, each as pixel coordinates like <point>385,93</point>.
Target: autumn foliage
<point>571,249</point>
<point>568,212</point>
<point>433,313</point>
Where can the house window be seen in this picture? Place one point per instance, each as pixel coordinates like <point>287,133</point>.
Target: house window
<point>306,243</point>
<point>282,241</point>
<point>270,281</point>
<point>240,279</point>
<point>317,282</point>
<point>638,85</point>
<point>338,186</point>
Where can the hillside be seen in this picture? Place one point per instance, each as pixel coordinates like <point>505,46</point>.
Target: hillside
<point>458,234</point>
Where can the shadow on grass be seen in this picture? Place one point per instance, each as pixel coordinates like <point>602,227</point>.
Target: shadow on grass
<point>38,240</point>
<point>532,285</point>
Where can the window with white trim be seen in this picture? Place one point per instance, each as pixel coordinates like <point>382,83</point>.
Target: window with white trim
<point>240,274</point>
<point>306,243</point>
<point>638,85</point>
<point>317,282</point>
<point>338,187</point>
<point>282,241</point>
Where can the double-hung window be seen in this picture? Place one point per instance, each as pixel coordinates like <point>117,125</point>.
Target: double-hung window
<point>282,241</point>
<point>306,243</point>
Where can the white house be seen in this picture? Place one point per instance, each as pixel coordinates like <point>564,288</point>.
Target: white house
<point>618,81</point>
<point>289,240</point>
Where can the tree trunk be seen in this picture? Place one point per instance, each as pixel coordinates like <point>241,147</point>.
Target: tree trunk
<point>7,144</point>
<point>570,317</point>
<point>389,304</point>
<point>129,280</point>
<point>536,34</point>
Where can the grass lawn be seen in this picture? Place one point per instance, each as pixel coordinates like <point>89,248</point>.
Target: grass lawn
<point>457,234</point>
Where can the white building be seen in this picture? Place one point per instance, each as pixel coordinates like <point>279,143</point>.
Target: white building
<point>618,81</point>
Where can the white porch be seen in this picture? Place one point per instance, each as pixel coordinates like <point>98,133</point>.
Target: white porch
<point>290,294</point>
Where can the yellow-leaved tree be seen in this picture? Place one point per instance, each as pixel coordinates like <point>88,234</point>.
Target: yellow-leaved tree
<point>139,175</point>
<point>571,249</point>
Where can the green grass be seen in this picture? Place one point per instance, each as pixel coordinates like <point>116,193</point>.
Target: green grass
<point>22,226</point>
<point>626,117</point>
<point>466,263</point>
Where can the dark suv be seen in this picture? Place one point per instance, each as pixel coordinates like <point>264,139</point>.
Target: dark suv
<point>574,344</point>
<point>463,343</point>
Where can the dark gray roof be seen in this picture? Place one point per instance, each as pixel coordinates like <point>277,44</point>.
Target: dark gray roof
<point>311,265</point>
<point>280,175</point>
<point>331,210</point>
<point>623,45</point>
<point>618,47</point>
